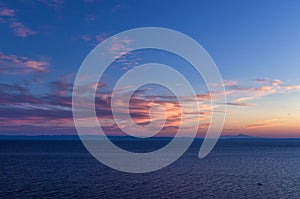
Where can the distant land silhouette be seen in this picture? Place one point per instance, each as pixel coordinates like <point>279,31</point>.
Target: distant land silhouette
<point>238,136</point>
<point>76,137</point>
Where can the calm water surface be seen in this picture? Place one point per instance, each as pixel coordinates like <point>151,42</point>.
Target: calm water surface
<point>54,169</point>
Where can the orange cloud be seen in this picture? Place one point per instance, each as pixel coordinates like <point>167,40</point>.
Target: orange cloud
<point>265,123</point>
<point>276,82</point>
<point>16,64</point>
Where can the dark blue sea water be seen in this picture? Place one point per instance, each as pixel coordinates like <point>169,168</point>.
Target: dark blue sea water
<point>55,169</point>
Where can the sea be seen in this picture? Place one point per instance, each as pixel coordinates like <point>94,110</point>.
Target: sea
<point>236,168</point>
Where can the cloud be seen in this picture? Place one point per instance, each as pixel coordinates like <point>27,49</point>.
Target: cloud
<point>276,82</point>
<point>241,96</point>
<point>53,110</point>
<point>292,88</point>
<point>54,4</point>
<point>19,64</point>
<point>6,12</point>
<point>19,108</point>
<point>230,83</point>
<point>261,80</point>
<point>101,37</point>
<point>239,104</point>
<point>61,87</point>
<point>94,39</point>
<point>263,91</point>
<point>20,30</point>
<point>85,38</point>
<point>8,16</point>
<point>118,48</point>
<point>265,123</point>
<point>21,111</point>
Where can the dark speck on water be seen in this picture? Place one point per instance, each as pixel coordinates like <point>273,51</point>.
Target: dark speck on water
<point>64,169</point>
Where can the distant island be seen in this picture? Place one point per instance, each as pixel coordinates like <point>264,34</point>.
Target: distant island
<point>238,136</point>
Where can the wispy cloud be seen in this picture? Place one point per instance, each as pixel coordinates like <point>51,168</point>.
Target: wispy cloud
<point>53,109</point>
<point>241,96</point>
<point>291,88</point>
<point>20,30</point>
<point>8,16</point>
<point>19,108</point>
<point>10,63</point>
<point>94,39</point>
<point>230,83</point>
<point>276,82</point>
<point>239,104</point>
<point>101,36</point>
<point>261,80</point>
<point>85,38</point>
<point>118,48</point>
<point>54,4</point>
<point>265,123</point>
<point>6,12</point>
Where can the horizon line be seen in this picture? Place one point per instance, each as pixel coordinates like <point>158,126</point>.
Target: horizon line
<point>76,137</point>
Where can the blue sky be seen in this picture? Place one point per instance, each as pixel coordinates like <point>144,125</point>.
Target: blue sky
<point>255,44</point>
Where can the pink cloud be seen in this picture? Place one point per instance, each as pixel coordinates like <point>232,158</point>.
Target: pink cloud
<point>95,39</point>
<point>276,82</point>
<point>230,83</point>
<point>37,65</point>
<point>21,30</point>
<point>240,96</point>
<point>101,37</point>
<point>9,16</point>
<point>263,91</point>
<point>6,12</point>
<point>265,123</point>
<point>85,38</point>
<point>292,87</point>
<point>15,64</point>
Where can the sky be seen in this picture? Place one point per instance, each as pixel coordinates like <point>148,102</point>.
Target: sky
<point>255,44</point>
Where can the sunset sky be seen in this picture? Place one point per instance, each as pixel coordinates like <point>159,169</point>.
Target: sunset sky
<point>255,44</point>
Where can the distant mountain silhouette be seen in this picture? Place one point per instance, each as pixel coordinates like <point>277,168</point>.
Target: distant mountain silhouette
<point>238,136</point>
